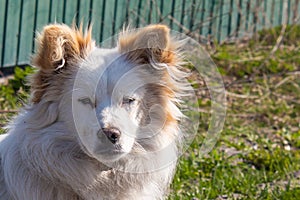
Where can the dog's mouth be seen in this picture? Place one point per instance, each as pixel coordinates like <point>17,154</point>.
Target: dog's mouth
<point>116,151</point>
<point>112,149</point>
<point>113,153</point>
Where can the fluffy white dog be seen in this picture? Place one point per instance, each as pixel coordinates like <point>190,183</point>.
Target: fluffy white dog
<point>100,123</point>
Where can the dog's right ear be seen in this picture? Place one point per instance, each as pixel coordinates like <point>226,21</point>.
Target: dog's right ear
<point>59,47</point>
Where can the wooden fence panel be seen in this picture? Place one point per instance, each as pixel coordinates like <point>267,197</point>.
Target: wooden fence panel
<point>97,19</point>
<point>26,33</point>
<point>214,19</point>
<point>3,12</point>
<point>11,32</point>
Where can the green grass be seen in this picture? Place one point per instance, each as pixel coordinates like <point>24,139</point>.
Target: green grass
<point>258,153</point>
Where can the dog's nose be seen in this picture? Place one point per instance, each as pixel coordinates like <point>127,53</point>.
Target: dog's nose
<point>113,134</point>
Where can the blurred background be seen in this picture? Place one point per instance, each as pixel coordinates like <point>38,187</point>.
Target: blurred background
<point>255,45</point>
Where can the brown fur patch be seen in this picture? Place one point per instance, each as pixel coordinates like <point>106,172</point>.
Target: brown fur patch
<point>152,42</point>
<point>158,95</point>
<point>57,44</point>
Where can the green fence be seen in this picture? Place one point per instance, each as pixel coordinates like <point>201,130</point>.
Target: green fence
<point>217,19</point>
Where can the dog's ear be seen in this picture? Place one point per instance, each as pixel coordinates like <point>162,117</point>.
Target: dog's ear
<point>149,44</point>
<point>58,47</point>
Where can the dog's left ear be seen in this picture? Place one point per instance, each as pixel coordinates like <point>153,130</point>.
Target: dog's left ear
<point>149,44</point>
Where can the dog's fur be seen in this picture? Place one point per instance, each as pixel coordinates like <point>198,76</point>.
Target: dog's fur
<point>55,148</point>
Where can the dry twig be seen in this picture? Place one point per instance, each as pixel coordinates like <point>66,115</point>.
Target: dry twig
<point>8,111</point>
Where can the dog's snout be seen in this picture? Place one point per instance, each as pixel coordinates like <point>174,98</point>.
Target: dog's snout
<point>113,134</point>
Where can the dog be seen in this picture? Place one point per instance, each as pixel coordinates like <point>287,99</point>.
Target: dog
<point>100,123</point>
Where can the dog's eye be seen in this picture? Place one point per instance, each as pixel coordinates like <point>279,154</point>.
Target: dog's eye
<point>86,100</point>
<point>128,100</point>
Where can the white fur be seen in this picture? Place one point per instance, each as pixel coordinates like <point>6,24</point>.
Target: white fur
<point>53,149</point>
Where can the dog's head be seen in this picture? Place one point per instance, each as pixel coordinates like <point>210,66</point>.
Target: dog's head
<point>116,101</point>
